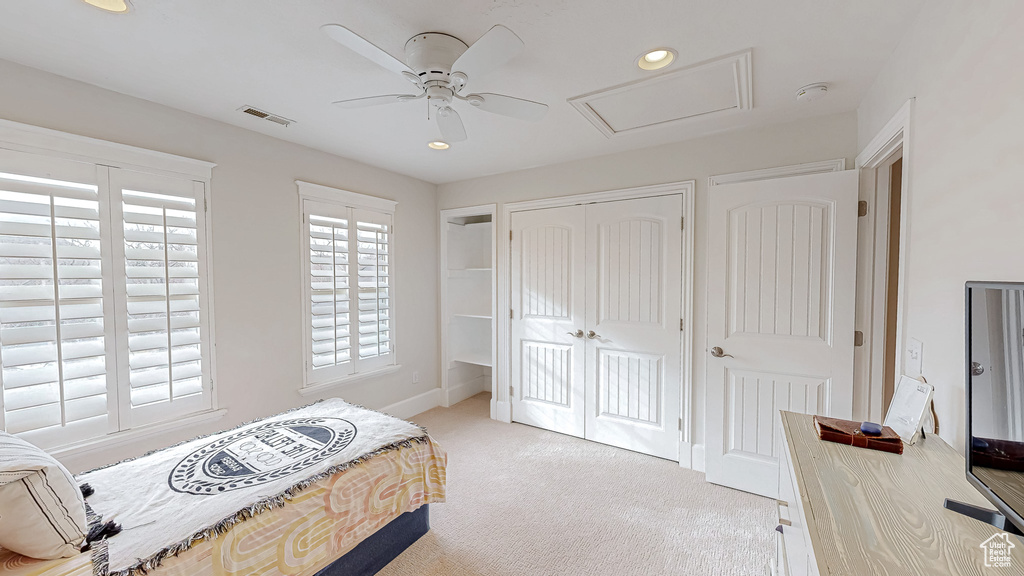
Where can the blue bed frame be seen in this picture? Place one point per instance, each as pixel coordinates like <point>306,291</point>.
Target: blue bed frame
<point>383,546</point>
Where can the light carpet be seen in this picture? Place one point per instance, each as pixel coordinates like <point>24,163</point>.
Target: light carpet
<point>525,501</point>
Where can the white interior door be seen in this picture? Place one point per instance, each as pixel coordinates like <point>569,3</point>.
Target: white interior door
<point>548,296</point>
<point>633,283</point>
<point>781,285</point>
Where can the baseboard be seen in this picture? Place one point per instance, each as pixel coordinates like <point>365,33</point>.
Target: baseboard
<point>417,404</point>
<point>469,389</point>
<point>698,457</point>
<point>685,455</point>
<point>501,411</point>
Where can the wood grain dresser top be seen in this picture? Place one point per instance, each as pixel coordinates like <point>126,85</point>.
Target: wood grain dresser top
<point>870,512</point>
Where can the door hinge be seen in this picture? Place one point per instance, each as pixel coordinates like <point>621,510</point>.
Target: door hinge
<point>511,315</point>
<point>205,208</point>
<point>680,424</point>
<point>509,235</point>
<point>682,223</point>
<point>862,208</point>
<point>511,392</point>
<point>858,338</point>
<point>682,325</point>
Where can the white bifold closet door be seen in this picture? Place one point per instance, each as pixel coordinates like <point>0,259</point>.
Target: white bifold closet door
<point>596,318</point>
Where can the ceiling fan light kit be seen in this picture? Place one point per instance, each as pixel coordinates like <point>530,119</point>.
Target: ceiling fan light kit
<point>438,145</point>
<point>656,59</point>
<point>441,66</point>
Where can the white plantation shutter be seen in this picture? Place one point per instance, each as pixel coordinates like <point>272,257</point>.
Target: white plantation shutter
<point>329,294</point>
<point>102,299</point>
<point>53,336</point>
<point>348,283</point>
<point>373,236</point>
<point>161,261</point>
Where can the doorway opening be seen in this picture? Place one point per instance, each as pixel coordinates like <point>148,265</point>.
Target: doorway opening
<point>882,233</point>
<point>894,172</point>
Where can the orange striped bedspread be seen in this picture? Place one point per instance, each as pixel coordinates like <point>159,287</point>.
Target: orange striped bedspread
<point>318,525</point>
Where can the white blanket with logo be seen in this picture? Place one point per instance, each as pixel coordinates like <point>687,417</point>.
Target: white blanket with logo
<point>169,499</point>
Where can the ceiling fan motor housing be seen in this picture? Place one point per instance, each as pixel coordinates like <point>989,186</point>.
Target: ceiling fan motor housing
<point>431,55</point>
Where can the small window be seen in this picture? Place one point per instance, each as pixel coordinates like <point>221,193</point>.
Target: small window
<point>348,283</point>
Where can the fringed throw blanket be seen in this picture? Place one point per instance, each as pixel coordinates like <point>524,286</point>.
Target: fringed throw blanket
<point>168,500</point>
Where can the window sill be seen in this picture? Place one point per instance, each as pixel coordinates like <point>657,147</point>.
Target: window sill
<point>321,387</point>
<point>135,434</point>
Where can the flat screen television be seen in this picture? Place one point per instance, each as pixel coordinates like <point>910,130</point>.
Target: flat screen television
<point>995,401</point>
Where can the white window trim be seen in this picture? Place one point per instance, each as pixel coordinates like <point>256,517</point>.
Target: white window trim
<point>135,434</point>
<point>54,143</point>
<point>341,199</point>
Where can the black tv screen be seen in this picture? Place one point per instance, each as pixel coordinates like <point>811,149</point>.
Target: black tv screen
<point>995,394</point>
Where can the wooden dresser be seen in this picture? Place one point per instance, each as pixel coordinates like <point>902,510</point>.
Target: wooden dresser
<point>859,512</point>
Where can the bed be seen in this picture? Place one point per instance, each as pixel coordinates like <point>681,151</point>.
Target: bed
<point>349,514</point>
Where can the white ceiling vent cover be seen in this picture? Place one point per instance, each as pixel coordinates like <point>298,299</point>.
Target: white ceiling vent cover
<point>713,87</point>
<point>266,116</point>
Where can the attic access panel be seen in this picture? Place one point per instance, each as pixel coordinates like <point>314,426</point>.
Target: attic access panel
<point>714,87</point>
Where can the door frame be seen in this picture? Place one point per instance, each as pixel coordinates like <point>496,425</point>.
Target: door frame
<point>872,262</point>
<point>501,402</point>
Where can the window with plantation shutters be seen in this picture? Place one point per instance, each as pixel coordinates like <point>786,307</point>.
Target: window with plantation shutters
<point>372,247</point>
<point>348,284</point>
<point>53,334</point>
<point>102,297</point>
<point>161,327</point>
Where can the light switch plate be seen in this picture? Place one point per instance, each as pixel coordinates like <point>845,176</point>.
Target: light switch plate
<point>912,364</point>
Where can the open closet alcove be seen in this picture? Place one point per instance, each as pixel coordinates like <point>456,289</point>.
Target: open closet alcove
<point>468,303</point>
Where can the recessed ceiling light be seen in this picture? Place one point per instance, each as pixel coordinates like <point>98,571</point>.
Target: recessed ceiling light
<point>438,145</point>
<point>118,6</point>
<point>656,59</point>
<point>656,56</point>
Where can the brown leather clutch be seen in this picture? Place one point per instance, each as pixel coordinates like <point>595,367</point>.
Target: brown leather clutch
<point>848,432</point>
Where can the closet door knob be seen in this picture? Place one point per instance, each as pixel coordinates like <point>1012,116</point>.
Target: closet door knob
<point>576,334</point>
<point>592,335</point>
<point>719,353</point>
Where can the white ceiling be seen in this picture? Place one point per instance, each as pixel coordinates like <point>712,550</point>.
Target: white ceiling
<point>210,57</point>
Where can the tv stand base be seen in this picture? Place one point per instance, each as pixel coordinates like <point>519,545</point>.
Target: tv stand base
<point>984,514</point>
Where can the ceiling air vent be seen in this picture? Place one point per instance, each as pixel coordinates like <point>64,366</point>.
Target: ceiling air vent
<point>265,115</point>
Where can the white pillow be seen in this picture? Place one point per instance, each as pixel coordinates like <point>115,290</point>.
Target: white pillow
<point>42,513</point>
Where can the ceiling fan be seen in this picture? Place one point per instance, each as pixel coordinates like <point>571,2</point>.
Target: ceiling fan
<point>441,66</point>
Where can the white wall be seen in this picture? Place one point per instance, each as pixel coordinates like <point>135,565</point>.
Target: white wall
<point>256,245</point>
<point>961,60</point>
<point>815,139</point>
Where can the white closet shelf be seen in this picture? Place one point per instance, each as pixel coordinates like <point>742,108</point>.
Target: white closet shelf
<point>472,357</point>
<point>469,273</point>
<point>479,316</point>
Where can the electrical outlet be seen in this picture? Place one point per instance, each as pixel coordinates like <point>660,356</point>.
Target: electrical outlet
<point>912,363</point>
<point>415,377</point>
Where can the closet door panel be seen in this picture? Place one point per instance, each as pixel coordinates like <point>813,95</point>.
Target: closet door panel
<point>633,281</point>
<point>548,293</point>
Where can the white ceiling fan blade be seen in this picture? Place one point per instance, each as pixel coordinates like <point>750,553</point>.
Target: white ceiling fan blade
<point>374,100</point>
<point>450,124</point>
<point>365,48</point>
<point>509,106</point>
<point>491,51</point>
